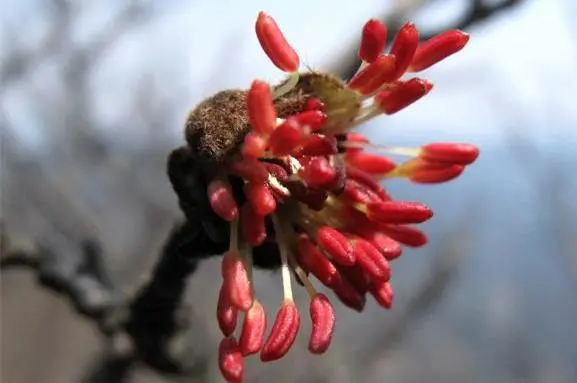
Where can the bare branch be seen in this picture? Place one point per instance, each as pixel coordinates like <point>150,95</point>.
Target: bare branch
<point>19,61</point>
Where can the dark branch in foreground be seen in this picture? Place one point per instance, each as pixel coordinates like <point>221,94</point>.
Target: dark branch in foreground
<point>150,319</point>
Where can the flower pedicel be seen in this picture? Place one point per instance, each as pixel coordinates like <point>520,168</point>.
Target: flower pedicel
<point>313,187</point>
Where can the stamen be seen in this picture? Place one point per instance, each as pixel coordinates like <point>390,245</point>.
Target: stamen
<point>246,254</point>
<point>233,238</point>
<point>283,248</point>
<point>400,150</point>
<point>311,291</point>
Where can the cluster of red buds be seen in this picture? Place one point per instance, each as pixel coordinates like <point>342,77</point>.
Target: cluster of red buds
<point>315,188</point>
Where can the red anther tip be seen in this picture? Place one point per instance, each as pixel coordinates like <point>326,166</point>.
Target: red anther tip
<point>404,47</point>
<point>283,332</point>
<point>427,172</point>
<point>253,329</point>
<point>379,72</point>
<point>317,172</point>
<point>261,111</point>
<point>349,295</point>
<point>371,163</point>
<point>438,48</point>
<point>275,44</point>
<point>237,282</point>
<point>383,294</point>
<point>323,323</point>
<point>286,137</point>
<point>396,99</point>
<point>407,235</point>
<point>253,146</point>
<point>373,40</point>
<point>261,198</point>
<point>336,245</point>
<point>226,313</point>
<point>222,201</point>
<point>399,212</point>
<point>230,360</point>
<point>371,260</point>
<point>450,153</point>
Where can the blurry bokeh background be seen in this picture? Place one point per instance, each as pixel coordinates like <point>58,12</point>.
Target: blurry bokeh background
<point>93,95</point>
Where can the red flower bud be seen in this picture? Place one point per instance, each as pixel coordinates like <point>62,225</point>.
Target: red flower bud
<point>226,313</point>
<point>230,360</point>
<point>336,245</point>
<point>383,293</point>
<point>313,119</point>
<point>349,295</point>
<point>407,235</point>
<point>252,225</point>
<point>250,170</point>
<point>370,259</point>
<point>398,212</point>
<point>253,329</point>
<point>222,201</point>
<point>314,261</point>
<point>356,277</point>
<point>438,48</point>
<point>254,146</point>
<point>275,45</point>
<point>404,48</point>
<point>283,332</point>
<point>286,137</point>
<point>370,78</point>
<point>317,172</point>
<point>236,281</point>
<point>323,324</point>
<point>355,192</point>
<point>425,172</point>
<point>319,146</point>
<point>261,111</point>
<point>373,40</point>
<point>371,163</point>
<point>449,153</point>
<point>393,100</point>
<point>390,248</point>
<point>260,197</point>
<point>368,181</point>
